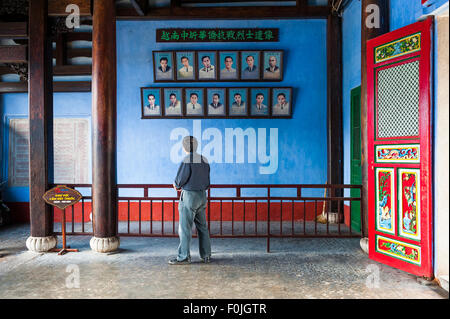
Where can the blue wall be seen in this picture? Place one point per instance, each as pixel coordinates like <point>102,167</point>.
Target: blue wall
<point>404,12</point>
<point>15,105</point>
<point>143,146</point>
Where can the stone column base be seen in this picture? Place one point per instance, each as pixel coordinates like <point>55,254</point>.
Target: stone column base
<point>41,244</point>
<point>364,243</point>
<point>104,245</point>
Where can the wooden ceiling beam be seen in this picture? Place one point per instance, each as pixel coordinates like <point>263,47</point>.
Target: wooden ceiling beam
<point>13,54</point>
<point>13,30</point>
<point>75,52</point>
<point>72,70</point>
<point>259,12</point>
<point>58,86</point>
<point>140,6</point>
<point>58,7</point>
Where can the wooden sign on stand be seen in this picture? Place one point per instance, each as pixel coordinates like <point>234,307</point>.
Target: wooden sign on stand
<point>62,197</point>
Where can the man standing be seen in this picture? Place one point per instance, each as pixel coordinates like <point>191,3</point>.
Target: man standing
<point>193,181</point>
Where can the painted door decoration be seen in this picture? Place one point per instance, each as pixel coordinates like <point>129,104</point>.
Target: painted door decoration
<point>399,148</point>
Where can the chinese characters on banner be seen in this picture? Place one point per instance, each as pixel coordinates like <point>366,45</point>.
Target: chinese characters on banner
<point>217,35</point>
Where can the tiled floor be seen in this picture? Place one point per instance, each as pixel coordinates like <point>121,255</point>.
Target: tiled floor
<point>241,268</point>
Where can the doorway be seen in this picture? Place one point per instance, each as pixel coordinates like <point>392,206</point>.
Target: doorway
<point>355,154</point>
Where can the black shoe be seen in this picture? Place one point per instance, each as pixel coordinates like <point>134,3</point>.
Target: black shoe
<point>175,261</point>
<point>206,260</point>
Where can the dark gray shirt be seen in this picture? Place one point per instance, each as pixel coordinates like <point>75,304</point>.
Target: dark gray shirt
<point>193,173</point>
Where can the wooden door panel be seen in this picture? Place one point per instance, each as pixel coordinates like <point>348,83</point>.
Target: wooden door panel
<point>399,148</point>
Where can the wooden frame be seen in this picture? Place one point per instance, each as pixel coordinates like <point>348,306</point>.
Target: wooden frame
<point>222,100</point>
<point>179,57</point>
<point>274,98</point>
<point>200,65</point>
<point>158,101</point>
<point>244,54</point>
<point>156,65</point>
<point>255,92</point>
<point>218,63</point>
<point>226,98</point>
<point>231,100</point>
<point>266,74</point>
<point>222,55</point>
<point>201,100</point>
<point>167,92</point>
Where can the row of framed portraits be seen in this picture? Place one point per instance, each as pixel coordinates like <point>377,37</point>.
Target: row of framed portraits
<point>242,102</point>
<point>214,66</point>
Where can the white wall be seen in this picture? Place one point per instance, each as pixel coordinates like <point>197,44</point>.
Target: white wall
<point>442,150</point>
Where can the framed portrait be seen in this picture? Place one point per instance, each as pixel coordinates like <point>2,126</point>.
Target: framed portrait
<point>173,101</point>
<point>272,65</point>
<point>186,65</point>
<point>237,101</point>
<point>281,102</point>
<point>216,101</point>
<point>163,66</point>
<point>228,65</point>
<point>195,102</point>
<point>207,65</point>
<point>151,102</point>
<point>250,66</point>
<point>260,99</point>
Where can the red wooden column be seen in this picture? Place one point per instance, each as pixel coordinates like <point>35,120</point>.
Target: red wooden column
<point>367,33</point>
<point>104,188</point>
<point>40,108</point>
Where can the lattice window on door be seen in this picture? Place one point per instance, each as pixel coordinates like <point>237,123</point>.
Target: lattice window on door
<point>398,101</point>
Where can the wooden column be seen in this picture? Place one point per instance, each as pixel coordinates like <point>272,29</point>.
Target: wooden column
<point>335,166</point>
<point>40,104</point>
<point>104,189</point>
<point>367,34</point>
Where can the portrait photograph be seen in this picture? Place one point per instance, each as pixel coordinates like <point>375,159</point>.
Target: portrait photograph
<point>250,65</point>
<point>194,99</point>
<point>207,65</point>
<point>163,66</point>
<point>186,65</point>
<point>228,65</point>
<point>237,101</point>
<point>273,65</point>
<point>216,100</point>
<point>281,102</point>
<point>151,102</point>
<point>260,99</point>
<point>173,101</point>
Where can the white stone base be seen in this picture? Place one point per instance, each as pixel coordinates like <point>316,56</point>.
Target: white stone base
<point>41,244</point>
<point>104,245</point>
<point>443,282</point>
<point>364,243</point>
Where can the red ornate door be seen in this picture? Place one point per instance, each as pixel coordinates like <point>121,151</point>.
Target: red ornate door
<point>399,148</point>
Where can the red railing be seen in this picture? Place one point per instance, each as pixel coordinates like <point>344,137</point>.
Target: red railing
<point>280,211</point>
